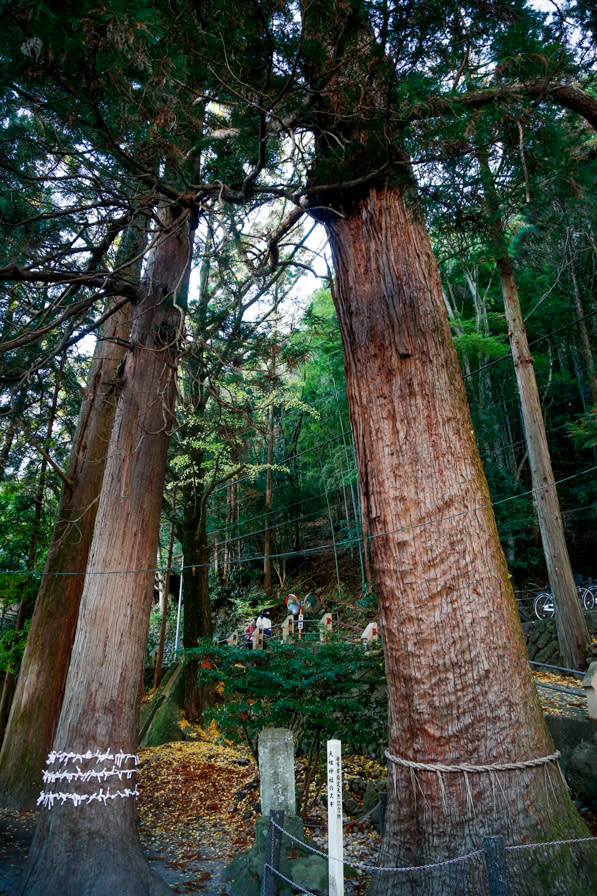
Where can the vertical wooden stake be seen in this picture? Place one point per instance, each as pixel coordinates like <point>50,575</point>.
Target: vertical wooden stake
<point>497,868</point>
<point>335,832</point>
<point>269,884</point>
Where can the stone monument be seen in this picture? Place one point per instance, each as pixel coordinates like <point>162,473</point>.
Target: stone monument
<point>277,792</point>
<point>276,771</point>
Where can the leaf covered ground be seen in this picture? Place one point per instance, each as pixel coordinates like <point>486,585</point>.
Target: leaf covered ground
<point>198,801</point>
<point>197,806</point>
<point>559,694</point>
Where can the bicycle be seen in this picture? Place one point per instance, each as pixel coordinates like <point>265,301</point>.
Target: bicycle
<point>544,604</point>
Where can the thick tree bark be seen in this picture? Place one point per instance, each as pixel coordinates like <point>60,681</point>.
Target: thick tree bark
<point>459,685</point>
<point>85,844</point>
<point>42,676</point>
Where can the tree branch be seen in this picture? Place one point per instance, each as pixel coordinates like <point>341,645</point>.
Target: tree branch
<point>569,96</point>
<point>41,450</point>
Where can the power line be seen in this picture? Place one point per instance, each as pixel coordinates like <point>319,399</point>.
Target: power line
<point>347,542</point>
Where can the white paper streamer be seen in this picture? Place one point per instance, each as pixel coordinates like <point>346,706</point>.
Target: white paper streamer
<point>120,773</point>
<point>107,756</point>
<point>47,798</point>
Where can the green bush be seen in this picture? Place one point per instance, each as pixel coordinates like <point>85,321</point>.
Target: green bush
<point>320,691</point>
<point>12,646</point>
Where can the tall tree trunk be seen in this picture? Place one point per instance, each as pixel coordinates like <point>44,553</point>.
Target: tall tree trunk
<point>459,685</point>
<point>197,609</point>
<point>231,548</point>
<point>157,676</point>
<point>583,332</point>
<point>571,625</point>
<point>10,433</point>
<point>38,503</point>
<point>269,496</point>
<point>86,845</point>
<point>42,675</point>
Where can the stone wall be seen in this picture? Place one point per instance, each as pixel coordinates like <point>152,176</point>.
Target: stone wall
<point>542,641</point>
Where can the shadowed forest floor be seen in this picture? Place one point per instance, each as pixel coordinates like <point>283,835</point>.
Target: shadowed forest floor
<point>198,801</point>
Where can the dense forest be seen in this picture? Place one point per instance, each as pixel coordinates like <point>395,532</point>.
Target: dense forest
<point>303,302</point>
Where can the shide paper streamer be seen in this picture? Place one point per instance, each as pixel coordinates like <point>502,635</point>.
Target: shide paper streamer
<point>69,770</point>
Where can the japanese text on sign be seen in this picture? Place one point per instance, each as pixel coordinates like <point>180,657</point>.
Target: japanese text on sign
<point>334,783</point>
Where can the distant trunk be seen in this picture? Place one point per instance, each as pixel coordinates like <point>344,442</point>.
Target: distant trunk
<point>197,608</point>
<point>42,676</point>
<point>231,548</point>
<point>157,676</point>
<point>269,495</point>
<point>8,688</point>
<point>583,332</point>
<point>459,685</point>
<point>10,431</point>
<point>573,634</point>
<point>84,844</point>
<point>571,625</point>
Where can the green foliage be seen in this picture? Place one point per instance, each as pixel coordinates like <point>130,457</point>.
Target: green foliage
<point>477,347</point>
<point>323,691</point>
<point>97,99</point>
<point>239,599</point>
<point>584,430</point>
<point>12,645</point>
<point>16,524</point>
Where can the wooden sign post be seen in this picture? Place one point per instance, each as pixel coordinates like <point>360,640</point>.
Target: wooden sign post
<point>335,832</point>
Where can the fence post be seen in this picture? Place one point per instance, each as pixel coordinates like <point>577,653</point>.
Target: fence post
<point>383,802</point>
<point>497,867</point>
<point>589,686</point>
<point>273,841</point>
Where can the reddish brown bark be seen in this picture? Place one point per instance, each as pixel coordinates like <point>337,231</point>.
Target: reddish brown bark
<point>459,684</point>
<point>94,847</point>
<point>40,686</point>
